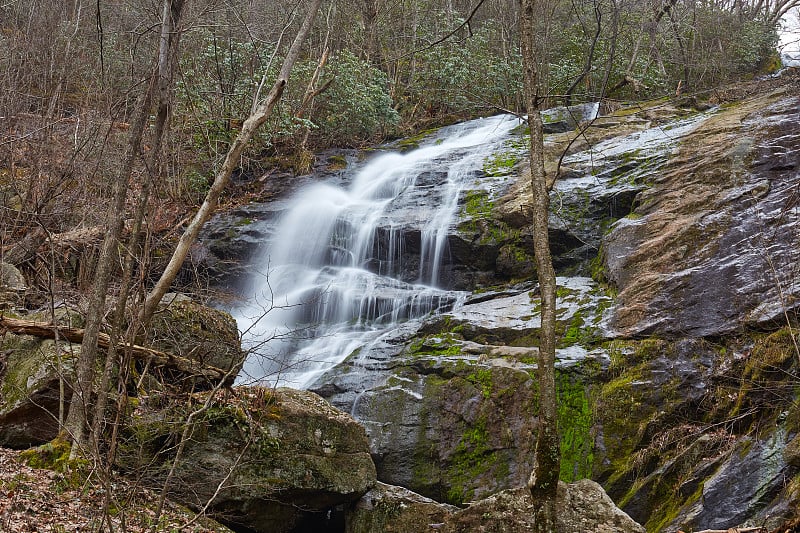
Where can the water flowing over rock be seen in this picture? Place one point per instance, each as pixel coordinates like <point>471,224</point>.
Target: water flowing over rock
<point>345,261</point>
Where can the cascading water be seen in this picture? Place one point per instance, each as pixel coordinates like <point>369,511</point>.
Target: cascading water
<point>347,263</point>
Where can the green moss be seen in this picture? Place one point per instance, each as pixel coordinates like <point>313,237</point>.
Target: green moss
<point>500,164</point>
<point>337,162</point>
<point>472,458</point>
<point>482,378</point>
<point>441,344</point>
<point>413,142</point>
<point>575,420</point>
<point>54,456</point>
<point>477,204</point>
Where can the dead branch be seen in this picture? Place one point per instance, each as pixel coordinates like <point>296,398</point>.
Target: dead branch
<point>49,331</point>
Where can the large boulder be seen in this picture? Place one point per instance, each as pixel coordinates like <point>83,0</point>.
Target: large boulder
<point>580,506</point>
<point>267,460</point>
<point>392,509</point>
<point>198,332</point>
<point>32,373</point>
<point>12,285</point>
<point>29,389</point>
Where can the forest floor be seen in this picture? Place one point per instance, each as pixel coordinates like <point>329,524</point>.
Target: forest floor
<point>35,500</point>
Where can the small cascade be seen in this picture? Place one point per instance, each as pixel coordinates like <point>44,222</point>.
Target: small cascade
<point>347,263</point>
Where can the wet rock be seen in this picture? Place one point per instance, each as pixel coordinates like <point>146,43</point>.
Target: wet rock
<point>713,244</point>
<point>742,488</point>
<point>269,461</point>
<point>562,119</point>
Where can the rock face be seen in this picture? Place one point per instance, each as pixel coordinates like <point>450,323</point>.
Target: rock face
<point>678,385</point>
<point>713,244</point>
<point>581,506</point>
<point>271,461</point>
<point>450,405</point>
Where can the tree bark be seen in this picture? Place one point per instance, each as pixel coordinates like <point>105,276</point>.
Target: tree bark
<point>221,180</point>
<point>543,482</point>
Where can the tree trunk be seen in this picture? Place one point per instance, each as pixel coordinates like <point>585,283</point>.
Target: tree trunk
<point>253,122</point>
<point>167,62</point>
<point>543,483</point>
<point>75,425</point>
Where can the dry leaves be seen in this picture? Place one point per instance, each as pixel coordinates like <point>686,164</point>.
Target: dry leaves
<point>42,501</point>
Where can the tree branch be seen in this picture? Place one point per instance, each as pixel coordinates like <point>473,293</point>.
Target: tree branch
<point>49,331</point>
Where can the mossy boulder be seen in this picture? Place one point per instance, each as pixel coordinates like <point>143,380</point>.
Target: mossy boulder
<point>391,509</point>
<point>451,430</point>
<point>696,434</point>
<point>283,460</point>
<point>31,374</point>
<point>195,331</point>
<point>580,506</point>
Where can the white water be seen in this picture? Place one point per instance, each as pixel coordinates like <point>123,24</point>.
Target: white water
<point>333,263</point>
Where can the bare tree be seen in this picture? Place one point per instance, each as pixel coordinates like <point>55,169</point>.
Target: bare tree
<point>543,482</point>
<point>76,422</point>
<point>221,180</point>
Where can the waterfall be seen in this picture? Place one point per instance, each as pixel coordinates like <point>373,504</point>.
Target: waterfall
<point>349,262</point>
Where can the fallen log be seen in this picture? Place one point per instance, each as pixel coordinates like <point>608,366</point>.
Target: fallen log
<point>156,357</point>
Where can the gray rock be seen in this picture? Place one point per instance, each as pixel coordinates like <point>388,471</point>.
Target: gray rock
<point>269,461</point>
<point>581,506</point>
<point>29,389</point>
<point>31,371</point>
<point>199,332</point>
<point>12,285</point>
<point>561,119</point>
<point>714,247</point>
<point>742,488</point>
<point>391,509</point>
